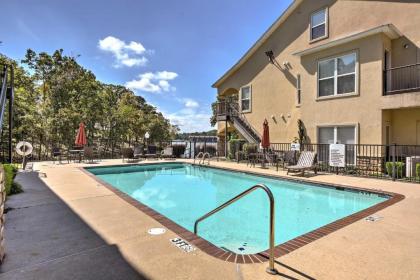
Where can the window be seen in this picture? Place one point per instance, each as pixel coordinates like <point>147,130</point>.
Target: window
<point>298,90</point>
<point>246,99</point>
<point>319,23</point>
<point>337,75</point>
<point>337,135</point>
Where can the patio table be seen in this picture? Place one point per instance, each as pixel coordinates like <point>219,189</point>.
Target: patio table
<point>78,153</point>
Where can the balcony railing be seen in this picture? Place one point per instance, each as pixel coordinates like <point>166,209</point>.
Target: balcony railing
<point>402,79</point>
<point>224,108</point>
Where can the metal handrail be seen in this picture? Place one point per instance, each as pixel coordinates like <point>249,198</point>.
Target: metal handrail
<point>403,66</point>
<point>233,108</point>
<point>270,268</point>
<point>198,156</point>
<point>204,158</point>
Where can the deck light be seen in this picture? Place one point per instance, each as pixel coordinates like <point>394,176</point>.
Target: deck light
<point>270,56</point>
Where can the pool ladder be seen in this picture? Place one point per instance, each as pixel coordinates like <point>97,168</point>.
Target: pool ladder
<point>270,269</point>
<point>203,158</point>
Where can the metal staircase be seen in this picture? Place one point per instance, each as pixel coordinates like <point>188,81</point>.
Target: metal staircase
<point>230,112</point>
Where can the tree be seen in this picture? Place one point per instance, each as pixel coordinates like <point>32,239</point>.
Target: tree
<point>57,93</point>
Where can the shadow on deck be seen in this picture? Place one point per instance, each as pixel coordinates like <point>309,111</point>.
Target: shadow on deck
<point>45,239</point>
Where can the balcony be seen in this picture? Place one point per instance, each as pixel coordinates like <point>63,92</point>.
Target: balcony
<point>402,79</point>
<point>225,109</point>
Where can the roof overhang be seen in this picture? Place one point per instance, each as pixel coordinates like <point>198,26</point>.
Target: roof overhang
<point>389,30</point>
<point>260,42</point>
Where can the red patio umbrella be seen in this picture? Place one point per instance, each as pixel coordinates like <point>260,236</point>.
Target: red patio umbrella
<point>81,136</point>
<point>265,141</point>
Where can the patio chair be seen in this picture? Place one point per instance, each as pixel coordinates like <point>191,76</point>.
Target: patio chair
<point>268,157</point>
<point>127,154</point>
<point>138,152</point>
<point>306,162</point>
<point>151,152</point>
<point>88,154</point>
<point>56,153</point>
<point>287,157</point>
<point>250,153</point>
<point>167,153</point>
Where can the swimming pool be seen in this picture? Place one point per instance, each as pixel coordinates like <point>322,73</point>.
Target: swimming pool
<point>184,192</point>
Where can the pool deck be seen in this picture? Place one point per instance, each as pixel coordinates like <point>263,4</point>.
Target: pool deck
<point>100,231</point>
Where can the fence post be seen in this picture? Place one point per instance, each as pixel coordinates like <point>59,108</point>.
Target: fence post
<point>393,161</point>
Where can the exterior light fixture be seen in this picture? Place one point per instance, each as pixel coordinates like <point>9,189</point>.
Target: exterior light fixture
<point>406,46</point>
<point>270,56</point>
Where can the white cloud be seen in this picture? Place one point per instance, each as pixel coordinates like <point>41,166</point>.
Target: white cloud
<point>190,103</point>
<point>190,120</point>
<point>131,54</point>
<point>153,82</point>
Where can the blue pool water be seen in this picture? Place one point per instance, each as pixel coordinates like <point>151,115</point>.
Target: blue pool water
<point>184,192</point>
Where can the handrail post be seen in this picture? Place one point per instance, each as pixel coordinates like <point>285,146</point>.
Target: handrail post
<point>393,162</point>
<point>271,269</point>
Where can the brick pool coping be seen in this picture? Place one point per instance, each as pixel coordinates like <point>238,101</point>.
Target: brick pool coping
<point>279,250</point>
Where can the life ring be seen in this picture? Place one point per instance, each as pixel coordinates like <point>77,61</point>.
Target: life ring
<point>24,148</point>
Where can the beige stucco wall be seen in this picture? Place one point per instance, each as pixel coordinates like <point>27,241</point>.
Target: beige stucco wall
<point>404,128</point>
<point>273,89</point>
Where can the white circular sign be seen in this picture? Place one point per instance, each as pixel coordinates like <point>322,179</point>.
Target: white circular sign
<point>24,148</point>
<point>156,231</point>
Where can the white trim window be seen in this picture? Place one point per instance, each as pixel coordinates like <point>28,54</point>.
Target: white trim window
<point>346,134</point>
<point>246,99</point>
<point>319,24</point>
<point>337,76</point>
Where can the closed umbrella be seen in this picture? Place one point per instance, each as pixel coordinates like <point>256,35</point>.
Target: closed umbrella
<point>81,136</point>
<point>265,141</point>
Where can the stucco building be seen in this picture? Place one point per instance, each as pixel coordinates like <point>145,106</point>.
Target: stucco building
<point>350,70</point>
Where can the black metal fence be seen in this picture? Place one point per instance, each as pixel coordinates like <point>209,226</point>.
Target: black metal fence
<point>402,79</point>
<point>396,162</point>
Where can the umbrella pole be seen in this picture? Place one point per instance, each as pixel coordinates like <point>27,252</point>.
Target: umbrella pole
<point>263,160</point>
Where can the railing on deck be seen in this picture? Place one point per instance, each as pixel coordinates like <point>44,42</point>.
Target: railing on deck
<point>397,162</point>
<point>402,79</point>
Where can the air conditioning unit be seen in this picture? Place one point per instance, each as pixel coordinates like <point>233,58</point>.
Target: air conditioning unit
<point>411,166</point>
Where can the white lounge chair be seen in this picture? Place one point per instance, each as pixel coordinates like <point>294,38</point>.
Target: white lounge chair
<point>306,162</point>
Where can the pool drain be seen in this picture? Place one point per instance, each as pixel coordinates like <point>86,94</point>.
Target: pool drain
<point>373,218</point>
<point>156,231</point>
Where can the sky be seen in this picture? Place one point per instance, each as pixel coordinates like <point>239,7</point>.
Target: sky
<point>169,52</point>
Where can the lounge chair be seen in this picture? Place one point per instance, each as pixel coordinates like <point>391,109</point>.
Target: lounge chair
<point>167,153</point>
<point>306,162</point>
<point>127,154</point>
<point>138,152</point>
<point>151,152</point>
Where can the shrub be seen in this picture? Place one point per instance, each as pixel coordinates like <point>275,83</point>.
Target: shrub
<point>10,172</point>
<point>234,147</point>
<point>399,167</point>
<point>250,148</point>
<point>418,170</point>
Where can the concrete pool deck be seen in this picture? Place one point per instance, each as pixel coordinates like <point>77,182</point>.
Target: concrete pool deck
<point>102,231</point>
